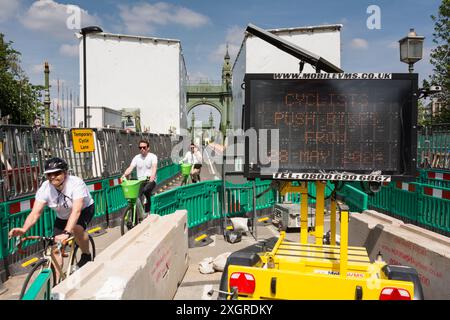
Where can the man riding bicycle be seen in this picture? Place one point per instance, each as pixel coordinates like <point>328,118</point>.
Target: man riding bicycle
<point>146,164</point>
<point>70,198</point>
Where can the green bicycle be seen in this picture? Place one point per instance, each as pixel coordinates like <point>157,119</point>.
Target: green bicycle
<point>134,213</point>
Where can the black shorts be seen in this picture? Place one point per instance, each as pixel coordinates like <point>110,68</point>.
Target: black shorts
<point>197,166</point>
<point>84,219</point>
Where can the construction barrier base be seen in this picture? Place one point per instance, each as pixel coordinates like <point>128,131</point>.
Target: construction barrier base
<point>202,241</point>
<point>22,266</point>
<point>114,218</point>
<point>97,224</point>
<point>200,236</point>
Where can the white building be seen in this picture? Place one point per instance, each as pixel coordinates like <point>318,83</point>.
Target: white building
<point>136,72</point>
<point>259,56</point>
<point>99,117</point>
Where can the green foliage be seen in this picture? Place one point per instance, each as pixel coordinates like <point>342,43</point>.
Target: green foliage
<point>440,59</point>
<point>422,117</point>
<point>18,97</point>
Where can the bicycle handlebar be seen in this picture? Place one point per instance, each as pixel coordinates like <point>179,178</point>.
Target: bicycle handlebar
<point>50,240</point>
<point>22,240</point>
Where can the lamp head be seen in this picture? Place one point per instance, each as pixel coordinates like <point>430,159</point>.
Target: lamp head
<point>90,29</point>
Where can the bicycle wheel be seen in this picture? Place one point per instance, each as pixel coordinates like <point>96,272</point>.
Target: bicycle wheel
<point>127,222</point>
<point>34,273</point>
<point>140,209</point>
<point>186,180</point>
<point>77,254</point>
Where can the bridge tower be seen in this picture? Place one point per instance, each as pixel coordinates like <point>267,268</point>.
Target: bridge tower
<point>226,85</point>
<point>216,94</point>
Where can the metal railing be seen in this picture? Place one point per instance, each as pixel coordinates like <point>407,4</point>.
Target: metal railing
<point>433,150</point>
<point>24,150</point>
<point>421,204</point>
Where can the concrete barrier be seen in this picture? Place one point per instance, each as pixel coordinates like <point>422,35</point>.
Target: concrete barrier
<point>148,262</point>
<point>405,244</point>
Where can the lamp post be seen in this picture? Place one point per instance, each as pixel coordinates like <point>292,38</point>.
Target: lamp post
<point>411,49</point>
<point>85,31</point>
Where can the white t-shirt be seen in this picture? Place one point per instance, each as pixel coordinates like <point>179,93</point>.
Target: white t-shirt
<point>193,158</point>
<point>62,201</point>
<point>144,165</point>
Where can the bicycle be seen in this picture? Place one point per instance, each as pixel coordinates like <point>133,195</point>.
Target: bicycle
<point>186,173</point>
<point>134,213</point>
<point>49,261</point>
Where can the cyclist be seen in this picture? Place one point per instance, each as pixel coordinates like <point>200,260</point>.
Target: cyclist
<point>70,198</point>
<point>146,164</point>
<point>194,157</point>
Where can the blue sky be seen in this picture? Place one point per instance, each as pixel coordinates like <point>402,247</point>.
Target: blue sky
<point>39,30</point>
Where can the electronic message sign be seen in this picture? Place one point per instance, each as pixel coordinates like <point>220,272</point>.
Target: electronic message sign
<point>351,127</point>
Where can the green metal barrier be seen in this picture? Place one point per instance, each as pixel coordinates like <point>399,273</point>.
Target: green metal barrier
<point>434,212</point>
<point>16,213</point>
<point>164,203</point>
<point>415,203</point>
<point>115,200</point>
<point>49,217</point>
<point>40,289</point>
<point>355,198</point>
<point>98,194</point>
<point>3,234</point>
<point>404,203</point>
<point>435,177</point>
<point>164,173</point>
<point>382,199</point>
<point>202,200</point>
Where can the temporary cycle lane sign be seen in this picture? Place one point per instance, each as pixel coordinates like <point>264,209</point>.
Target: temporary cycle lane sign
<point>83,140</point>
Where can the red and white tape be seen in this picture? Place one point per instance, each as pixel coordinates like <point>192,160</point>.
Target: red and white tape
<point>437,193</point>
<point>406,186</point>
<point>95,186</point>
<point>439,175</point>
<point>21,206</point>
<point>115,182</point>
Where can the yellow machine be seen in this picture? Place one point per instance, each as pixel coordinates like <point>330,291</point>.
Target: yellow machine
<point>302,270</point>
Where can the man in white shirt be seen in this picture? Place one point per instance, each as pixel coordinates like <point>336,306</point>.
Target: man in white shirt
<point>70,198</point>
<point>194,157</point>
<point>146,164</point>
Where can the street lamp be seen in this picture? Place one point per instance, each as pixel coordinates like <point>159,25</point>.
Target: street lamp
<point>411,49</point>
<point>85,31</point>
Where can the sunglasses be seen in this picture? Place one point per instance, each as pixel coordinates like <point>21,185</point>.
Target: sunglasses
<point>142,147</point>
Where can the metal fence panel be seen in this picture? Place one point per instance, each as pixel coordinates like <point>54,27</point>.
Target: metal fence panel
<point>433,150</point>
<point>20,165</point>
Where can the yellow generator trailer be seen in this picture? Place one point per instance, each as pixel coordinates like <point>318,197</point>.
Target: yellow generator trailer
<point>301,270</point>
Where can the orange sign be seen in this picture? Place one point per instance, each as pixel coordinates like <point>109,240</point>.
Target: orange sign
<point>83,140</point>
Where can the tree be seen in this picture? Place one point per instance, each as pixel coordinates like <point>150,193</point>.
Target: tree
<point>18,97</point>
<point>440,59</point>
<point>422,117</point>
